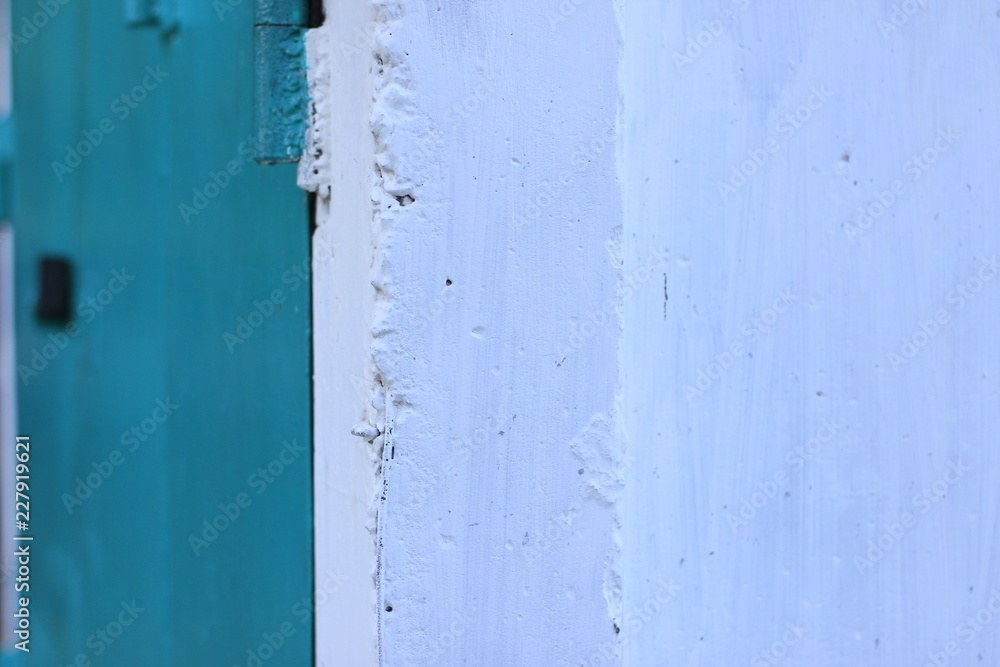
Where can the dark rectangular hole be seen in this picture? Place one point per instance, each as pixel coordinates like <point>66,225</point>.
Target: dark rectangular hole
<point>55,287</point>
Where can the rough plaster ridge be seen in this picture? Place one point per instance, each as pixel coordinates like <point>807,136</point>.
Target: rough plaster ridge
<point>601,449</point>
<point>314,167</point>
<point>377,422</point>
<point>405,142</point>
<point>389,112</point>
<point>396,126</point>
<point>614,568</point>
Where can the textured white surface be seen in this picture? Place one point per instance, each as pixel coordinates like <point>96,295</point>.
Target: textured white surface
<point>492,247</point>
<point>786,456</point>
<point>761,495</point>
<point>485,362</point>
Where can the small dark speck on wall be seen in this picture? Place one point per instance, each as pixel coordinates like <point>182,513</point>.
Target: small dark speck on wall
<point>665,297</point>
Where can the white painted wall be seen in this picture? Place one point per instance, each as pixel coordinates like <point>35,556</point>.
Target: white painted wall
<point>799,555</point>
<point>492,547</point>
<point>477,119</point>
<point>609,381</point>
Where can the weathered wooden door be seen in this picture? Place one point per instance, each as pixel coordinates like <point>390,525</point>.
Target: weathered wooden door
<point>169,414</point>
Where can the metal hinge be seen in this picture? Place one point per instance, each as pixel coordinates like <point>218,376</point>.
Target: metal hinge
<point>281,91</point>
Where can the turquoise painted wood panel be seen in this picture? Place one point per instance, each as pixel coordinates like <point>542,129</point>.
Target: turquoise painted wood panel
<point>170,419</point>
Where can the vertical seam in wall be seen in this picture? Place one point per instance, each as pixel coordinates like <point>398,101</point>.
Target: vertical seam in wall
<point>616,566</point>
<point>311,199</point>
<point>386,61</point>
<point>387,426</point>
